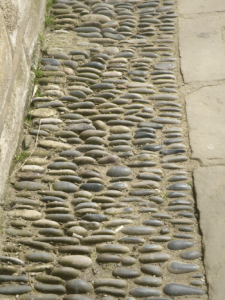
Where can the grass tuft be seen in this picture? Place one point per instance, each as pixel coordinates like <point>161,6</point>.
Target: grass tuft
<point>21,156</point>
<point>49,18</point>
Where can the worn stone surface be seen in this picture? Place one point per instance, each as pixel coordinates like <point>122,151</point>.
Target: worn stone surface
<point>207,104</point>
<point>201,43</point>
<point>210,192</point>
<point>200,6</point>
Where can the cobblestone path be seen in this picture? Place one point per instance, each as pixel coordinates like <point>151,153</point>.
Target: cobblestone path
<point>103,207</point>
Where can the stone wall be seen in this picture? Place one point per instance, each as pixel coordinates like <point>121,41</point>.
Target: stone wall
<point>21,21</point>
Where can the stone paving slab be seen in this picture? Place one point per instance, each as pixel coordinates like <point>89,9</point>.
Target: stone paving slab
<point>200,6</point>
<point>205,113</point>
<point>211,204</point>
<point>201,49</point>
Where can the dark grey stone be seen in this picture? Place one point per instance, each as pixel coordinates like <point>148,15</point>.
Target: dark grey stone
<point>95,65</point>
<point>78,94</point>
<point>11,260</point>
<point>118,171</point>
<point>153,222</point>
<point>150,248</point>
<point>177,178</point>
<point>95,217</point>
<point>78,286</point>
<point>124,54</point>
<point>89,174</point>
<point>176,267</point>
<point>174,289</point>
<point>172,151</point>
<point>112,248</point>
<point>64,186</point>
<point>141,292</point>
<point>120,122</point>
<point>50,61</point>
<point>108,258</point>
<point>86,29</point>
<point>71,116</point>
<point>71,63</point>
<point>143,134</point>
<point>51,232</point>
<point>156,199</point>
<point>80,127</point>
<point>152,147</point>
<point>7,270</point>
<point>142,164</point>
<point>128,261</point>
<point>123,272</point>
<point>78,52</point>
<point>50,288</point>
<point>176,195</point>
<point>15,289</point>
<point>70,153</point>
<point>74,249</point>
<point>93,187</point>
<point>180,207</point>
<point>152,270</point>
<point>63,218</point>
<point>186,214</point>
<point>39,257</point>
<point>138,230</point>
<point>131,240</point>
<point>65,273</point>
<point>179,245</point>
<point>190,255</point>
<point>71,178</point>
<point>111,291</point>
<point>119,283</point>
<point>48,279</point>
<point>185,228</point>
<point>62,165</point>
<point>7,278</point>
<point>179,187</point>
<point>196,282</point>
<point>141,192</point>
<point>36,245</point>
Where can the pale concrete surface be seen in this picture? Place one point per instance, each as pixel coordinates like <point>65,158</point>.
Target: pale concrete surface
<point>200,6</point>
<point>20,24</point>
<point>206,119</point>
<point>201,49</point>
<point>210,190</point>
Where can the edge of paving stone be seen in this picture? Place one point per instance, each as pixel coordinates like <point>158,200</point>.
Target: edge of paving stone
<point>185,89</point>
